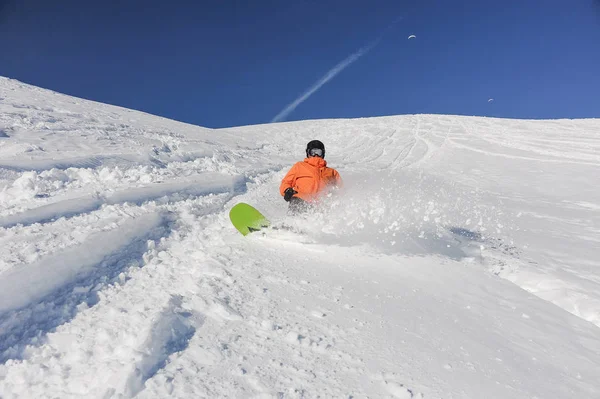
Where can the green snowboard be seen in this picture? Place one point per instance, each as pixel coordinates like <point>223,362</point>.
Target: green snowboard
<point>246,218</point>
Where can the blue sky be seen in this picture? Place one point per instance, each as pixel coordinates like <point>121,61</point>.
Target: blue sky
<point>228,63</point>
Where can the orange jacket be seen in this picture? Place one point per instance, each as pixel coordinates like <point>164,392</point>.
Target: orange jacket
<point>309,178</point>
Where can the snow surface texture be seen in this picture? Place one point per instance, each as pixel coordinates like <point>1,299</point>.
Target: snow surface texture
<point>461,259</point>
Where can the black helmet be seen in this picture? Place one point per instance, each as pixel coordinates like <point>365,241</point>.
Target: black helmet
<point>314,144</point>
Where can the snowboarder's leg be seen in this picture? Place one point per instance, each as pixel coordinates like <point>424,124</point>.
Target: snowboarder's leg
<point>297,206</point>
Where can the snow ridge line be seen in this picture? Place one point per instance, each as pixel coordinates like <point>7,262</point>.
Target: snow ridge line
<point>94,161</point>
<point>36,298</point>
<point>155,158</point>
<point>205,184</point>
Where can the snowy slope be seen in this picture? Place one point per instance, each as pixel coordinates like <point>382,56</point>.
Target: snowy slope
<point>460,260</point>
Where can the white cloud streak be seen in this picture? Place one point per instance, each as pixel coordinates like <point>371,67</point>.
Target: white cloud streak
<point>329,75</point>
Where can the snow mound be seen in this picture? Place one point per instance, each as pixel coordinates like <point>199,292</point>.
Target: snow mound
<point>459,259</point>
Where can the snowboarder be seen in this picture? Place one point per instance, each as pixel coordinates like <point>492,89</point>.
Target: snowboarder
<point>307,180</point>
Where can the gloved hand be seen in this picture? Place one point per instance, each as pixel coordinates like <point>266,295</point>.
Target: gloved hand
<point>289,193</point>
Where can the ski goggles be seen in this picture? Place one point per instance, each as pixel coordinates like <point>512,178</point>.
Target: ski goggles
<point>315,152</point>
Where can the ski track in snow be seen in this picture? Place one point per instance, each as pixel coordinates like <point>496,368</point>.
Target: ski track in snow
<point>68,279</point>
<point>202,185</point>
<point>459,260</point>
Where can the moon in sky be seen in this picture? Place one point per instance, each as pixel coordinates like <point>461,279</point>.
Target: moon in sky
<point>412,37</point>
<point>490,100</point>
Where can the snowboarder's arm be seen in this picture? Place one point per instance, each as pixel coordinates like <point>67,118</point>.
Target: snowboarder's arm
<point>338,178</point>
<point>288,181</point>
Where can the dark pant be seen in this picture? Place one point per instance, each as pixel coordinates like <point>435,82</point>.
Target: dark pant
<point>298,206</point>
